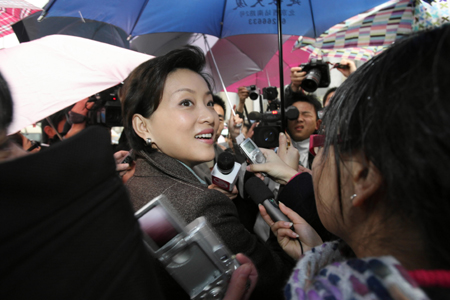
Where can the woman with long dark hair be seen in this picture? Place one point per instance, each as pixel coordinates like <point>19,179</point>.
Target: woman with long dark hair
<point>381,182</point>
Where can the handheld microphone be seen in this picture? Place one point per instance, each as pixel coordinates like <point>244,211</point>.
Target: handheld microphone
<point>225,171</point>
<point>261,194</point>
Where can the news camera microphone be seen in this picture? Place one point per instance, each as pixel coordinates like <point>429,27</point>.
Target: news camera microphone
<point>261,194</point>
<point>225,171</point>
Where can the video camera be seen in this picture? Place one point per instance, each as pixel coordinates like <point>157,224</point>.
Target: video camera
<point>267,132</point>
<point>107,109</point>
<point>317,75</point>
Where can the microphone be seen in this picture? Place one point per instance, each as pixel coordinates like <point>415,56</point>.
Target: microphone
<point>225,171</point>
<point>261,194</point>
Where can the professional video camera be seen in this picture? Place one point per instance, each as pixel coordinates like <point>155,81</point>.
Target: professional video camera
<point>317,75</point>
<point>253,92</point>
<point>107,109</point>
<point>267,132</point>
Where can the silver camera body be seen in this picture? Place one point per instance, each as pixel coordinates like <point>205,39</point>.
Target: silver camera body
<point>252,152</point>
<point>192,254</point>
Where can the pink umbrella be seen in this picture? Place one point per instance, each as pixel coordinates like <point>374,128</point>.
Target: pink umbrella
<point>12,11</point>
<point>269,76</point>
<point>53,72</point>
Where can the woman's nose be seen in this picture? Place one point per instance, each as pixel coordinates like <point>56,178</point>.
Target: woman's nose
<point>208,115</point>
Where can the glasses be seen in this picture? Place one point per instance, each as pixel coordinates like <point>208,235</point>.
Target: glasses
<point>316,141</point>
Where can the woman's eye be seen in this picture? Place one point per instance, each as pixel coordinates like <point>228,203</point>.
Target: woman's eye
<point>186,103</point>
<point>210,103</point>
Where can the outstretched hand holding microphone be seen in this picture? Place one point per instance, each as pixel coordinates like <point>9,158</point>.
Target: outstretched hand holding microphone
<point>293,233</point>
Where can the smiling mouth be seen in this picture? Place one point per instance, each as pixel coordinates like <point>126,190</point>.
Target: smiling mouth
<point>206,136</point>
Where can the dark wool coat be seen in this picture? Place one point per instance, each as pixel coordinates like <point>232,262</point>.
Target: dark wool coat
<point>67,227</point>
<point>157,173</point>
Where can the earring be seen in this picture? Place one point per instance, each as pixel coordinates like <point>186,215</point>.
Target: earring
<point>352,197</point>
<point>148,141</point>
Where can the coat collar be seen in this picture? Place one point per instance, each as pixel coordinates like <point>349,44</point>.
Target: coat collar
<point>164,164</point>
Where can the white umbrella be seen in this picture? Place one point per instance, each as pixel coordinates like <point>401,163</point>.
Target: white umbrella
<point>51,73</point>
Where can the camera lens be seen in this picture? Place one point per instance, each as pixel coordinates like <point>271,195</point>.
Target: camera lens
<point>269,136</point>
<point>312,80</point>
<point>253,95</point>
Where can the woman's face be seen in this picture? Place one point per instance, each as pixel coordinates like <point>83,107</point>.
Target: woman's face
<point>326,191</point>
<point>185,123</point>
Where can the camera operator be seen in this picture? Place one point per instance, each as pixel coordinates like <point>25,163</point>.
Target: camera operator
<point>306,124</point>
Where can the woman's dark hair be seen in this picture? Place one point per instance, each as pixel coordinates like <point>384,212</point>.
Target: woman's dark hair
<point>395,110</point>
<point>143,89</point>
<point>6,105</point>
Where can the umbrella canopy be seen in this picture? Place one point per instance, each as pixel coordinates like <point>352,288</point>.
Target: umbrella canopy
<point>29,29</point>
<point>12,11</point>
<point>53,72</point>
<point>269,75</point>
<point>220,18</point>
<point>364,35</point>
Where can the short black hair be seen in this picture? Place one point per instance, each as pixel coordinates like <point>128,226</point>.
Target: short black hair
<point>219,101</point>
<point>143,89</point>
<point>329,91</point>
<point>310,98</point>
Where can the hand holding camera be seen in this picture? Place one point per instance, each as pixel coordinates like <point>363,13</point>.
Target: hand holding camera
<point>297,77</point>
<point>346,67</point>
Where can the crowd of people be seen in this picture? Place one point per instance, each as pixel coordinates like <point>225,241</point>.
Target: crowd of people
<point>361,175</point>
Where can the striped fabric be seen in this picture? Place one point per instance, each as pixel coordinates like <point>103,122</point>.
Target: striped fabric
<point>12,11</point>
<point>364,35</point>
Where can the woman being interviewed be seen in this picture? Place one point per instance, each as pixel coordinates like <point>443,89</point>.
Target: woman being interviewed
<point>171,124</point>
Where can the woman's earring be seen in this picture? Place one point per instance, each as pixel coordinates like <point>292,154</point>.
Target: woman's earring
<point>352,197</point>
<point>148,141</point>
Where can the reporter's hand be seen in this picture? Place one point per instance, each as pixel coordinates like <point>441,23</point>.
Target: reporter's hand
<point>243,280</point>
<point>243,94</point>
<point>287,152</point>
<point>351,67</point>
<point>234,127</point>
<point>251,131</point>
<point>289,240</point>
<point>274,167</point>
<point>232,195</point>
<point>81,107</point>
<point>297,77</point>
<point>302,169</point>
<point>125,170</point>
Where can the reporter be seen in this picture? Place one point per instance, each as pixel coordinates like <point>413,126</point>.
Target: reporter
<point>380,182</point>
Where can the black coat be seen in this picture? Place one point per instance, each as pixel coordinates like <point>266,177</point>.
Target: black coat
<point>67,226</point>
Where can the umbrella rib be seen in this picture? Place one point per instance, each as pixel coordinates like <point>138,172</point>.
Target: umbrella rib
<point>312,17</point>
<point>137,19</point>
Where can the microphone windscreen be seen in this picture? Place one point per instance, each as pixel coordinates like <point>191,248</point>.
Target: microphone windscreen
<point>257,190</point>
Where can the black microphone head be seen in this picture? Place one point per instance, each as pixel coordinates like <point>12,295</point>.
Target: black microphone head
<point>257,190</point>
<point>254,116</point>
<point>225,162</point>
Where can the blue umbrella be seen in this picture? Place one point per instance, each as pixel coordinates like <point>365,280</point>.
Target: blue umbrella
<point>220,18</point>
